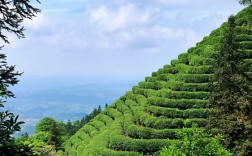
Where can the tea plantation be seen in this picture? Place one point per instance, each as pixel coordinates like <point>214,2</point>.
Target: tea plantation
<point>146,119</point>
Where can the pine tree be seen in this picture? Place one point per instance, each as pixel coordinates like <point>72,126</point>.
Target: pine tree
<point>232,95</point>
<point>245,2</point>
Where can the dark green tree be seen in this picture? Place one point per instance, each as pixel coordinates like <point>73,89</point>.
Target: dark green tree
<point>56,131</point>
<point>99,109</point>
<point>245,2</point>
<point>232,95</point>
<point>12,12</point>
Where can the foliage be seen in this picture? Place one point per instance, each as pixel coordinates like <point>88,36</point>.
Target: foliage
<point>13,12</point>
<point>195,142</point>
<point>245,2</point>
<point>147,118</point>
<point>232,95</point>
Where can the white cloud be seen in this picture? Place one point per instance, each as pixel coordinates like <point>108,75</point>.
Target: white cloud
<point>125,17</point>
<point>185,2</point>
<point>85,38</point>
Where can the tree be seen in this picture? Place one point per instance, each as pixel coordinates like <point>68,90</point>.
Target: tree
<point>232,95</point>
<point>195,142</point>
<point>245,2</point>
<point>13,13</point>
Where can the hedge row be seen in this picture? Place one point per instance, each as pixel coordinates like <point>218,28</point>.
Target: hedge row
<point>140,132</point>
<point>122,107</point>
<point>140,99</point>
<point>178,103</point>
<point>131,103</point>
<point>146,146</point>
<point>104,118</point>
<point>112,113</point>
<point>151,85</point>
<point>145,92</point>
<point>247,53</point>
<point>243,37</point>
<point>183,94</point>
<point>162,122</point>
<point>97,124</point>
<point>177,113</point>
<point>243,30</point>
<point>150,79</point>
<point>194,78</point>
<point>212,40</point>
<point>165,77</point>
<point>204,50</point>
<point>205,69</point>
<point>246,44</point>
<point>193,87</point>
<point>171,70</point>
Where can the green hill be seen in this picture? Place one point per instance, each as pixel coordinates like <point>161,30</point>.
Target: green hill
<point>146,119</point>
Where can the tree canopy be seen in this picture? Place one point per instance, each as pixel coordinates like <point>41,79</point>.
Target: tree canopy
<point>232,96</point>
<point>12,14</point>
<point>245,2</point>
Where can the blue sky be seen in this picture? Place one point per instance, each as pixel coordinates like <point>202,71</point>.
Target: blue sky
<point>112,39</point>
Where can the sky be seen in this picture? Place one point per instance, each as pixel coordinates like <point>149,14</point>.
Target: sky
<point>111,40</point>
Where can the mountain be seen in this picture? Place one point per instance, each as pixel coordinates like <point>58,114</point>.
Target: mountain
<point>61,103</point>
<point>145,120</point>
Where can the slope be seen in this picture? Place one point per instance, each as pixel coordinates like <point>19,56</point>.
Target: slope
<point>146,119</point>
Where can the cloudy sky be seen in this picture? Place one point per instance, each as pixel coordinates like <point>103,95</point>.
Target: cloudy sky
<point>112,39</point>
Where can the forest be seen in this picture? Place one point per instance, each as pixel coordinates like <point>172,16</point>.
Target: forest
<point>199,104</point>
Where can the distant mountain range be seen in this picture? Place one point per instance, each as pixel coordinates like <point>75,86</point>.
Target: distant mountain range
<point>62,103</point>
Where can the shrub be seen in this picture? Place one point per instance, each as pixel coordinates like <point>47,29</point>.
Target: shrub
<point>177,103</point>
<point>195,142</point>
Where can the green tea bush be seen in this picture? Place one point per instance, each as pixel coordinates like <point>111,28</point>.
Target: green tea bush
<point>191,50</point>
<point>243,37</point>
<point>177,103</point>
<point>195,142</point>
<point>195,87</point>
<point>149,85</point>
<point>243,30</point>
<point>130,103</point>
<point>97,124</point>
<point>88,128</point>
<point>175,62</point>
<point>198,121</point>
<point>146,146</point>
<point>164,123</point>
<point>206,69</point>
<point>122,107</point>
<point>171,70</point>
<point>196,113</point>
<point>113,113</point>
<point>104,118</point>
<point>247,53</point>
<point>195,60</point>
<point>72,152</point>
<point>167,112</point>
<point>145,92</point>
<point>153,74</point>
<point>150,133</point>
<point>187,95</point>
<point>246,44</point>
<point>194,78</point>
<point>164,77</point>
<point>150,79</point>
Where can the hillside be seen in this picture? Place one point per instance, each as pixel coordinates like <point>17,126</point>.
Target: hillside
<point>145,119</point>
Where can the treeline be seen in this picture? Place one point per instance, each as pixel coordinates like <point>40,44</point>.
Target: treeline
<point>50,134</point>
